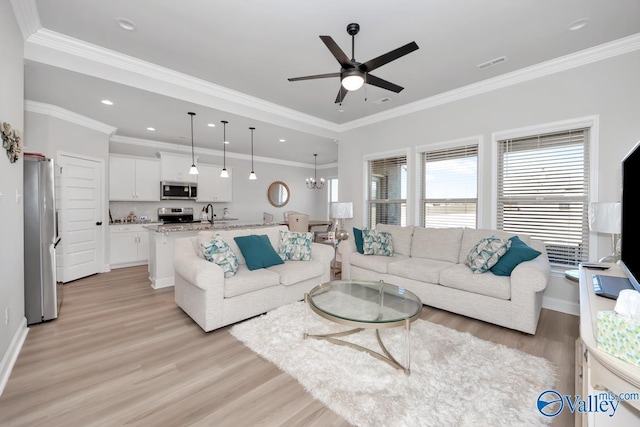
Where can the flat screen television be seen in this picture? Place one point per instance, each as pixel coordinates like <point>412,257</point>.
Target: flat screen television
<point>630,221</point>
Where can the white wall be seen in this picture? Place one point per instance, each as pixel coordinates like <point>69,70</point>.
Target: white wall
<point>11,212</point>
<point>609,88</point>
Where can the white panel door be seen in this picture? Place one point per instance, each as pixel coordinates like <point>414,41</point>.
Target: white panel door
<point>80,217</point>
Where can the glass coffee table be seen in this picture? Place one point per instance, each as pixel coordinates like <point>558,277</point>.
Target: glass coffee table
<point>366,305</point>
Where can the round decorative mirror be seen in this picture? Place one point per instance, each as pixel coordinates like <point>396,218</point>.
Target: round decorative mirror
<point>278,194</point>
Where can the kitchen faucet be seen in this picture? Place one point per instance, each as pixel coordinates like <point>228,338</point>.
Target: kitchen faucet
<point>206,209</point>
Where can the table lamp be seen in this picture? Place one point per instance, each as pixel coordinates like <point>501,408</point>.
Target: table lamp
<point>605,218</point>
<point>341,211</point>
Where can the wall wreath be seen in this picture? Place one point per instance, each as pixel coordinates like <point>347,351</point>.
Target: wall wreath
<point>11,141</point>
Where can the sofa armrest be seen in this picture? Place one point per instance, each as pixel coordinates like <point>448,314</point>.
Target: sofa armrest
<point>195,270</point>
<point>531,276</point>
<point>323,253</point>
<point>345,249</point>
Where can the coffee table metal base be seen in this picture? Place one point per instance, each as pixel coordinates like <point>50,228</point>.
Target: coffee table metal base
<point>386,357</point>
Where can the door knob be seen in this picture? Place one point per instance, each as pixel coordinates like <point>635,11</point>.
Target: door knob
<point>99,223</point>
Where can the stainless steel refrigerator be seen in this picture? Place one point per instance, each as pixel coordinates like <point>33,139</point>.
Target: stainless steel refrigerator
<point>40,239</point>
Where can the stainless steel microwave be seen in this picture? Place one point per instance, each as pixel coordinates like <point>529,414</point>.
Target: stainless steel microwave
<point>178,190</point>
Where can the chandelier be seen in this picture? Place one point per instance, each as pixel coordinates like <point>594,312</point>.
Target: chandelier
<point>313,183</point>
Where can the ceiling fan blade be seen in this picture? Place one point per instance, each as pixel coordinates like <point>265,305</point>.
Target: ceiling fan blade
<point>341,94</point>
<point>317,76</point>
<point>342,58</point>
<point>377,81</point>
<point>389,56</point>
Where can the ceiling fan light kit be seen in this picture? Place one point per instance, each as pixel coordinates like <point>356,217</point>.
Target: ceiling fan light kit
<point>353,74</point>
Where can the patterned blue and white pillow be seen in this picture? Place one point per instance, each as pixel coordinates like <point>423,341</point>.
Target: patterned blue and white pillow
<point>376,242</point>
<point>295,246</point>
<point>486,253</point>
<point>217,251</point>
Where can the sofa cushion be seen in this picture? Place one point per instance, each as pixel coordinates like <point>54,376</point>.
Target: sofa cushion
<point>357,238</point>
<point>401,237</point>
<point>292,272</point>
<point>517,253</point>
<point>442,244</point>
<point>295,246</point>
<point>246,281</point>
<point>459,276</point>
<point>377,263</point>
<point>376,242</point>
<point>471,236</point>
<point>218,252</point>
<point>421,269</point>
<point>257,251</point>
<point>486,253</point>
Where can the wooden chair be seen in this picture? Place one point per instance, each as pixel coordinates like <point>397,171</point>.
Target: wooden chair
<point>322,235</point>
<point>298,222</point>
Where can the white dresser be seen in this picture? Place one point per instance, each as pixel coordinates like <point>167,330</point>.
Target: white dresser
<point>597,371</point>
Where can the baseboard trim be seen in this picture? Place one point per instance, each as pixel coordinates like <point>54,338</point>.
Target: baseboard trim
<point>560,305</point>
<point>165,282</point>
<point>10,357</point>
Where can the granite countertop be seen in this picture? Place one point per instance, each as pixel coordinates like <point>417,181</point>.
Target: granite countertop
<point>198,226</point>
<point>136,223</point>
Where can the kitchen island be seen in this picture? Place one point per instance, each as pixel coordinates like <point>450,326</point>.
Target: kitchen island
<point>162,240</point>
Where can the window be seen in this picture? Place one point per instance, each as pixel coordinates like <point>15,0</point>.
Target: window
<point>387,191</point>
<point>543,191</point>
<point>449,187</point>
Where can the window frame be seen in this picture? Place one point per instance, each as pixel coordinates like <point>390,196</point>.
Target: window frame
<point>591,122</point>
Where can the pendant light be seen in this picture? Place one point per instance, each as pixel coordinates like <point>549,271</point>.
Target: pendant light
<point>194,169</point>
<point>252,175</point>
<point>224,173</point>
<point>313,183</point>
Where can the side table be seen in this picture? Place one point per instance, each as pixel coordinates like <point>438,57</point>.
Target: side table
<point>573,275</point>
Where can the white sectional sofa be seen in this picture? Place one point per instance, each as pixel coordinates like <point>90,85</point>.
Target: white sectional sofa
<point>213,301</point>
<point>430,262</point>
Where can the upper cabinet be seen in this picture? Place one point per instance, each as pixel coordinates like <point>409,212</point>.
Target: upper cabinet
<point>175,167</point>
<point>211,187</point>
<point>135,179</point>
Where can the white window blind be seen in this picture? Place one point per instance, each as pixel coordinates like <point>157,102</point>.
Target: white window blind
<point>387,191</point>
<point>449,187</point>
<point>543,191</point>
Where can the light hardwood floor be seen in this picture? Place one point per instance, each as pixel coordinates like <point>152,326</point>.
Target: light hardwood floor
<point>121,353</point>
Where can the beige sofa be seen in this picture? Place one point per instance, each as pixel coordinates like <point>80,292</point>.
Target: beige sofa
<point>213,301</point>
<point>430,262</point>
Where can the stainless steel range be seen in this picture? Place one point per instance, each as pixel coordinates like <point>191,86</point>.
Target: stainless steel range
<point>175,215</point>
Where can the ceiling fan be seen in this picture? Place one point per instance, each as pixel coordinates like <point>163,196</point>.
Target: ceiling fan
<point>354,74</point>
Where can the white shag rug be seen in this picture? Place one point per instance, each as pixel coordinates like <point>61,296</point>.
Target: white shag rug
<point>456,379</point>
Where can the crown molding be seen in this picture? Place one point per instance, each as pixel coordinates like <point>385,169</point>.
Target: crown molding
<point>160,146</point>
<point>563,63</point>
<point>69,116</point>
<point>97,54</point>
<point>26,13</point>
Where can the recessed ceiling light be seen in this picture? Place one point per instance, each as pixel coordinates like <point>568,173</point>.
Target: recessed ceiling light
<point>126,24</point>
<point>151,129</point>
<point>106,102</point>
<point>226,142</point>
<point>578,24</point>
<point>211,125</point>
<point>341,110</point>
<point>282,140</point>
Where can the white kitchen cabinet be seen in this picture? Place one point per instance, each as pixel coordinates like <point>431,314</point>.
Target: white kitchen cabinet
<point>129,245</point>
<point>134,179</point>
<point>211,187</point>
<point>175,168</point>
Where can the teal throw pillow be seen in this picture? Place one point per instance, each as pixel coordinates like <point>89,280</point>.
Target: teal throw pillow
<point>357,237</point>
<point>217,251</point>
<point>257,251</point>
<point>486,253</point>
<point>517,253</point>
<point>376,242</point>
<point>295,246</point>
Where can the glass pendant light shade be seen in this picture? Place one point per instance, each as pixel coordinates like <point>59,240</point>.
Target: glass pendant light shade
<point>224,173</point>
<point>193,170</point>
<point>252,175</point>
<point>352,79</point>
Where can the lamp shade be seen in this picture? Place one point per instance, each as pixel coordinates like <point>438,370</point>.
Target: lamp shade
<point>605,217</point>
<point>342,210</point>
